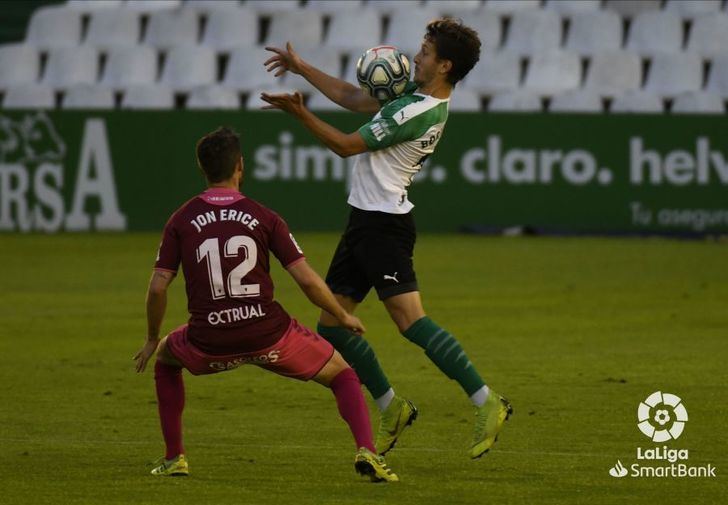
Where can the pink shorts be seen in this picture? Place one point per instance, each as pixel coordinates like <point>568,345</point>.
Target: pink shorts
<point>300,354</point>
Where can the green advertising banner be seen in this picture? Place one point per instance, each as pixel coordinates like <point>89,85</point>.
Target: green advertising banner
<point>129,170</point>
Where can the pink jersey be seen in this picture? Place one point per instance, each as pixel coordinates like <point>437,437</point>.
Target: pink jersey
<point>223,239</point>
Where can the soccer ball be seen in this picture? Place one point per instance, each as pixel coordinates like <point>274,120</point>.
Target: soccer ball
<point>383,72</point>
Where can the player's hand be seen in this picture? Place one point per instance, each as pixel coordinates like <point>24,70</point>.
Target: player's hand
<point>291,103</point>
<point>353,324</point>
<point>284,60</point>
<point>145,354</point>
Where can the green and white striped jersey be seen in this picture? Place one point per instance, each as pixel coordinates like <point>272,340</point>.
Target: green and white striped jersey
<point>400,138</point>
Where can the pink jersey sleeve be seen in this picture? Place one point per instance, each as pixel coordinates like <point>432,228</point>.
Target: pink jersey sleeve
<point>283,245</point>
<point>170,254</point>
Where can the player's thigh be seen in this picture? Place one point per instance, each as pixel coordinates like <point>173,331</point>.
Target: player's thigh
<point>405,309</point>
<point>345,276</point>
<point>347,302</point>
<point>331,369</point>
<point>387,260</point>
<point>164,355</point>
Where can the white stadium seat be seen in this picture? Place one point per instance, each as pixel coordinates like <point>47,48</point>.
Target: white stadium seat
<point>672,74</point>
<point>593,32</point>
<point>488,26</point>
<point>532,31</point>
<point>149,96</point>
<point>388,6</point>
<point>154,5</point>
<point>553,72</point>
<point>570,7</point>
<point>495,72</point>
<point>71,65</point>
<point>329,7</point>
<point>54,27</point>
<point>655,32</point>
<point>631,8</point>
<point>213,97</point>
<point>709,36</point>
<point>354,31</point>
<point>29,96</point>
<point>614,72</point>
<point>126,66</point>
<point>253,102</point>
<point>718,77</point>
<point>698,102</point>
<point>511,6</point>
<point>576,101</point>
<point>113,27</point>
<point>230,28</point>
<point>245,70</point>
<point>327,59</point>
<point>637,102</point>
<point>690,9</point>
<point>95,5</point>
<point>88,96</point>
<point>454,7</point>
<point>188,67</point>
<point>407,29</point>
<point>318,101</point>
<point>19,64</point>
<point>301,28</point>
<point>210,6</point>
<point>515,101</point>
<point>269,7</point>
<point>464,100</point>
<point>167,29</point>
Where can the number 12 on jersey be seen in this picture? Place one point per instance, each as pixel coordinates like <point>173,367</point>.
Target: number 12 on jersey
<point>209,250</point>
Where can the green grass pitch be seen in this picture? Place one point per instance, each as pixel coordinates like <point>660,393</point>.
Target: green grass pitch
<point>575,332</point>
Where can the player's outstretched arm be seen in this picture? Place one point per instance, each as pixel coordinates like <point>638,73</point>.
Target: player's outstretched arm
<point>156,307</point>
<point>316,290</point>
<point>337,90</point>
<point>341,143</point>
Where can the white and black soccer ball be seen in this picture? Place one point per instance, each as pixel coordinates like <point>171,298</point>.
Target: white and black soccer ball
<point>383,72</point>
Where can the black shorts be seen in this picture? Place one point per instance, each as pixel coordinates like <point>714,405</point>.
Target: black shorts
<point>375,251</point>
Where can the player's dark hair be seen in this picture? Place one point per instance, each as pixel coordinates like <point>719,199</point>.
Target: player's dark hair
<point>455,42</point>
<point>217,154</point>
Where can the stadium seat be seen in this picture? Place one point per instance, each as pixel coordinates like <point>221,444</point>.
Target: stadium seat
<point>718,76</point>
<point>509,7</point>
<point>149,96</point>
<point>515,101</point>
<point>630,8</point>
<point>54,27</point>
<point>156,5</point>
<point>570,7</point>
<point>96,5</point>
<point>709,36</point>
<point>698,102</point>
<point>465,100</point>
<point>302,28</point>
<point>637,102</point>
<point>318,101</point>
<point>690,9</point>
<point>113,27</point>
<point>614,72</point>
<point>71,65</point>
<point>495,72</point>
<point>576,101</point>
<point>453,7</point>
<point>88,96</point>
<point>488,26</point>
<point>532,31</point>
<point>253,101</point>
<point>672,74</point>
<point>188,67</point>
<point>29,96</point>
<point>327,59</point>
<point>329,7</point>
<point>210,6</point>
<point>407,29</point>
<point>167,29</point>
<point>213,97</point>
<point>127,66</point>
<point>357,30</point>
<point>19,64</point>
<point>245,69</point>
<point>655,32</point>
<point>389,6</point>
<point>553,72</point>
<point>593,32</point>
<point>270,7</point>
<point>230,28</point>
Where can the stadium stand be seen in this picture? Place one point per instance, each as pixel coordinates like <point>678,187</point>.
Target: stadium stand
<point>213,97</point>
<point>229,28</point>
<point>71,65</point>
<point>24,62</point>
<point>613,72</point>
<point>110,28</point>
<point>488,25</point>
<point>637,101</point>
<point>170,28</point>
<point>532,31</point>
<point>465,101</point>
<point>318,102</point>
<point>576,101</point>
<point>29,96</point>
<point>698,102</point>
<point>328,7</point>
<point>88,96</point>
<point>655,32</point>
<point>210,6</point>
<point>571,7</point>
<point>515,101</point>
<point>672,74</point>
<point>189,67</point>
<point>509,7</point>
<point>302,29</point>
<point>353,31</point>
<point>128,66</point>
<point>690,9</point>
<point>718,76</point>
<point>709,35</point>
<point>156,5</point>
<point>593,32</point>
<point>54,27</point>
<point>495,72</point>
<point>150,96</point>
<point>631,8</point>
<point>553,72</point>
<point>406,28</point>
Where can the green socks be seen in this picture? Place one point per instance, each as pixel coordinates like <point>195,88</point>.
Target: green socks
<point>445,352</point>
<point>359,354</point>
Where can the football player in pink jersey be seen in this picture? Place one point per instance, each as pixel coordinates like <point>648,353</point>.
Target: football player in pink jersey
<point>222,239</point>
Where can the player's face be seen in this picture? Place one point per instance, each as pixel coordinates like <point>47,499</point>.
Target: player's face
<point>427,64</point>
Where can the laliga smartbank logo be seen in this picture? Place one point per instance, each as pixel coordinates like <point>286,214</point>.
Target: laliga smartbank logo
<point>661,417</point>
